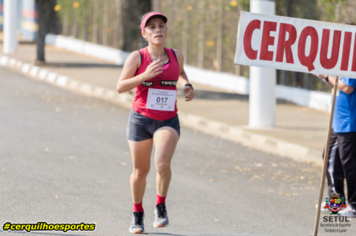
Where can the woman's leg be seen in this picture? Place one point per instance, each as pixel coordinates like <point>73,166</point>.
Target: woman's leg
<point>165,140</point>
<point>140,153</point>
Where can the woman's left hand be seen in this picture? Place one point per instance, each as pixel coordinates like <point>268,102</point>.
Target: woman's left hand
<point>188,93</point>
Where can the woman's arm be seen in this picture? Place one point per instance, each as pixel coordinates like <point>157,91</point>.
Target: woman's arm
<point>331,82</point>
<point>128,80</point>
<point>183,78</point>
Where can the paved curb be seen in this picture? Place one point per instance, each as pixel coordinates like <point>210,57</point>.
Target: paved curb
<point>217,129</point>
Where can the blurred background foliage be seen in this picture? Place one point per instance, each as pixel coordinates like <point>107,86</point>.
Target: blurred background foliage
<point>204,30</point>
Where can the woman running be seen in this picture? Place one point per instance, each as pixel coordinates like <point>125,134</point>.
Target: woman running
<point>154,71</point>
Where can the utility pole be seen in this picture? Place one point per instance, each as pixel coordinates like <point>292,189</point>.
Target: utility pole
<point>262,99</point>
<point>185,34</point>
<point>219,36</point>
<point>10,26</point>
<point>202,19</point>
<point>95,22</point>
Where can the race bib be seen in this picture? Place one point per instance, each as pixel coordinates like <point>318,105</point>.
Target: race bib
<point>161,99</point>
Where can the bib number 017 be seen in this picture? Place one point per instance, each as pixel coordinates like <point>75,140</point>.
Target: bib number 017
<point>161,99</point>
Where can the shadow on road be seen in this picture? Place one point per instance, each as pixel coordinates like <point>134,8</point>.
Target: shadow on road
<point>300,128</point>
<point>40,233</point>
<point>212,95</point>
<point>167,234</point>
<point>204,234</point>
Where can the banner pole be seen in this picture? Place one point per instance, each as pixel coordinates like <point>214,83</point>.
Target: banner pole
<point>326,159</point>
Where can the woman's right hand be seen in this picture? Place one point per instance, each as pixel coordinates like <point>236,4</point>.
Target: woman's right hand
<point>153,69</point>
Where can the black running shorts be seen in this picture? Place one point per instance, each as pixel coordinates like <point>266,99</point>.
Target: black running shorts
<point>141,128</point>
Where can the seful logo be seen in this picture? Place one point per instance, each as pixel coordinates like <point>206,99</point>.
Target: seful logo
<point>335,204</point>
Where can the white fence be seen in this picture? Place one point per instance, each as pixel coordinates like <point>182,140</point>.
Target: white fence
<point>229,82</point>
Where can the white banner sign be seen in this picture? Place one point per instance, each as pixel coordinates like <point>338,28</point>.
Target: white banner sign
<point>298,45</point>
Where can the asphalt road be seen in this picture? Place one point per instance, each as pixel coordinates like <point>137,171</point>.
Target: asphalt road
<point>64,158</point>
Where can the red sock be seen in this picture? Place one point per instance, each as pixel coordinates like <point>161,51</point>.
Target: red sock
<point>138,207</point>
<point>160,200</point>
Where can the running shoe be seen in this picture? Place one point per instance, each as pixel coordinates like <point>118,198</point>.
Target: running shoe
<point>323,204</point>
<point>349,212</point>
<point>137,226</point>
<point>161,218</point>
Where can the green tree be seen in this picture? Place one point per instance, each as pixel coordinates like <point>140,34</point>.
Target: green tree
<point>131,19</point>
<point>47,23</point>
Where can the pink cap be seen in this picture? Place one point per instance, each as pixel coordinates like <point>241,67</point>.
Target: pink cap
<point>150,15</point>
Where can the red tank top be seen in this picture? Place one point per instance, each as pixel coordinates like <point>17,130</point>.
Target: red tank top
<point>167,80</point>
